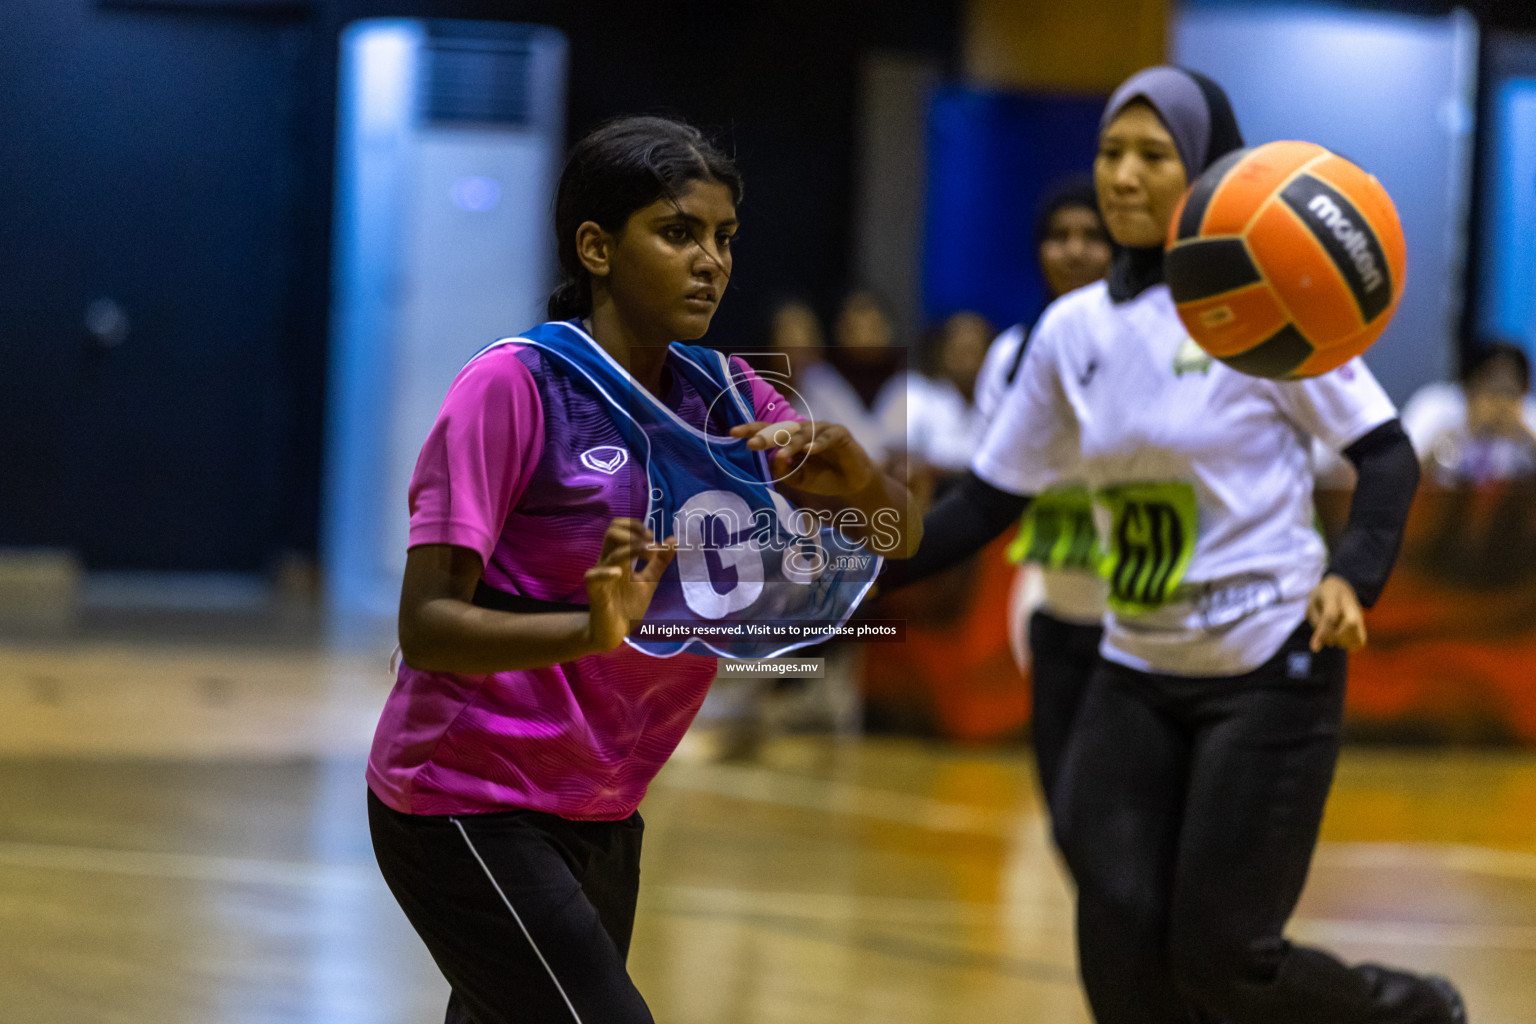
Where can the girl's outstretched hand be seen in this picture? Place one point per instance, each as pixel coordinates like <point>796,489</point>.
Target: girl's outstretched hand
<point>820,458</point>
<point>619,594</point>
<point>1335,615</point>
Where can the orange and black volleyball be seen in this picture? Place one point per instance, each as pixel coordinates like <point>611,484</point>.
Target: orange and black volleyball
<point>1285,260</point>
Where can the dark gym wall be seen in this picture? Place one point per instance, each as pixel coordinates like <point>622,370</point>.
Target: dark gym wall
<point>176,158</point>
<point>146,185</point>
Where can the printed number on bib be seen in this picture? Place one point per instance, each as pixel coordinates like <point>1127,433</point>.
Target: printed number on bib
<point>720,545</point>
<point>1057,532</point>
<point>1151,541</point>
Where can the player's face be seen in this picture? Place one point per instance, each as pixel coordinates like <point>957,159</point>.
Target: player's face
<point>672,261</point>
<point>1075,252</point>
<point>1139,177</point>
<point>862,325</point>
<point>795,327</point>
<point>1496,401</point>
<point>966,338</point>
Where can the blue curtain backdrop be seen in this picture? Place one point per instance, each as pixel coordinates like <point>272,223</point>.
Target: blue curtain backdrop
<point>991,158</point>
<point>1507,259</point>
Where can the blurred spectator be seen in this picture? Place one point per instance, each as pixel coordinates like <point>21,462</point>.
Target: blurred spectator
<point>936,410</point>
<point>866,352</point>
<point>816,388</point>
<point>863,322</point>
<point>1482,428</point>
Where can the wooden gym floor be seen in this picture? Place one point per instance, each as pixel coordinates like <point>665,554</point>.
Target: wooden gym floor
<point>182,839</point>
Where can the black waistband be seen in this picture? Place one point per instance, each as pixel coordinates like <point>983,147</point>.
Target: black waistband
<point>501,601</point>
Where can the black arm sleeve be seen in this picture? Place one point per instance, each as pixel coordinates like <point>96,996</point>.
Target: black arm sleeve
<point>970,514</point>
<point>1389,474</point>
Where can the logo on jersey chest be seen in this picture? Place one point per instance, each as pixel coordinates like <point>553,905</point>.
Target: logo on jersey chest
<point>1191,358</point>
<point>605,458</point>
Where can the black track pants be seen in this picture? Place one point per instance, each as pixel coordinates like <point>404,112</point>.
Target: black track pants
<point>528,915</point>
<point>1188,810</point>
<point>1062,659</point>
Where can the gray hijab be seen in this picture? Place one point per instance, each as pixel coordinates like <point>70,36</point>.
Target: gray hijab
<point>1178,102</point>
<point>1199,118</point>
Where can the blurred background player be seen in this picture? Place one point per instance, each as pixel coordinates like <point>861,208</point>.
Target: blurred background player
<point>1193,786</point>
<point>1054,629</point>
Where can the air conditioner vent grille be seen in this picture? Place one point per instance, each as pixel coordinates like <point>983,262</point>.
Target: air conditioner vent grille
<point>475,82</point>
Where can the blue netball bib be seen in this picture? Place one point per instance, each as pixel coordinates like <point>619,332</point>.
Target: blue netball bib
<point>754,576</point>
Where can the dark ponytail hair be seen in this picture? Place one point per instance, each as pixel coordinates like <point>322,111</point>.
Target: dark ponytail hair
<point>623,166</point>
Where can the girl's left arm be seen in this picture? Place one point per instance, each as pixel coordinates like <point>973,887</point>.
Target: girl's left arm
<point>1347,409</point>
<point>1388,472</point>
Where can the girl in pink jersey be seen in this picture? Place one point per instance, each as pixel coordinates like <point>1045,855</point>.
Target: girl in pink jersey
<point>522,732</point>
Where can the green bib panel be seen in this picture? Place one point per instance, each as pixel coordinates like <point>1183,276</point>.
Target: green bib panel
<point>1057,532</point>
<point>1152,540</point>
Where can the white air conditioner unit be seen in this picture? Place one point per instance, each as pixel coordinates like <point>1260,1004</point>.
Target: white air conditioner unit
<point>449,141</point>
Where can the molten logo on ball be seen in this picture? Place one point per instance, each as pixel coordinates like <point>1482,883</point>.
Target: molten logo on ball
<point>1356,242</point>
<point>1354,249</point>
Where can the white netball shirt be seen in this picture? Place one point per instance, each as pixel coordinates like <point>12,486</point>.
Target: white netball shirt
<point>1201,476</point>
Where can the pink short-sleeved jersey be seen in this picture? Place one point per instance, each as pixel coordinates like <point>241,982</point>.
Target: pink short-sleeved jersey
<point>525,467</point>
